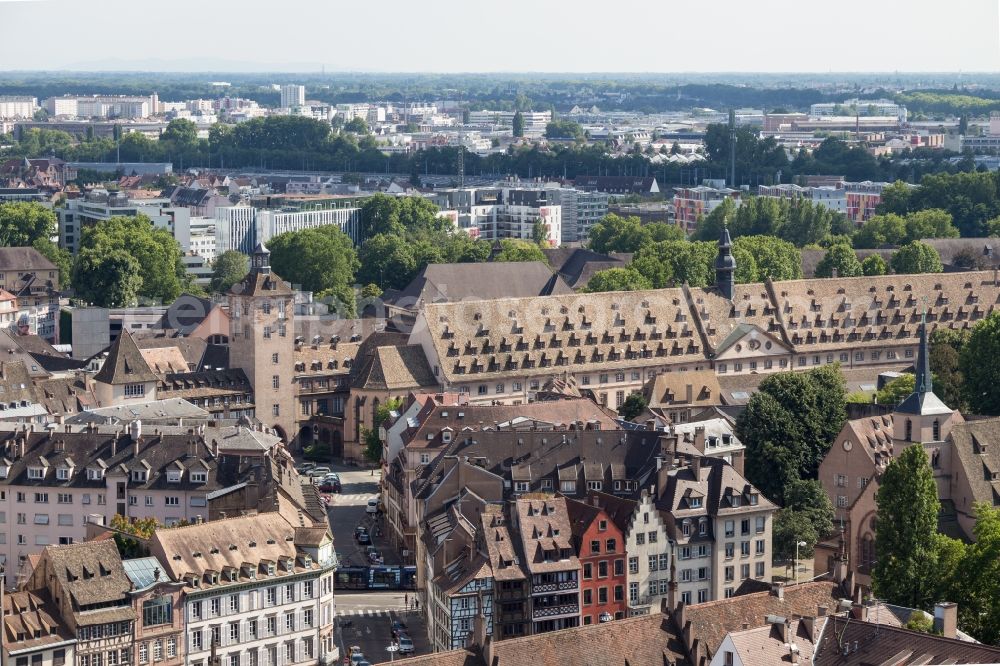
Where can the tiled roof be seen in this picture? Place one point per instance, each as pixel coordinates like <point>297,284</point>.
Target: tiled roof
<point>125,364</point>
<point>26,612</point>
<point>257,283</point>
<point>708,623</point>
<point>546,535</point>
<point>543,335</point>
<point>868,643</point>
<point>90,572</point>
<point>670,389</point>
<point>767,645</point>
<point>976,445</point>
<point>499,545</point>
<point>438,283</point>
<point>396,368</point>
<point>25,259</point>
<point>325,359</point>
<point>649,640</point>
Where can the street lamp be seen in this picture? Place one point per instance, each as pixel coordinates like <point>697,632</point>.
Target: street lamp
<point>798,544</point>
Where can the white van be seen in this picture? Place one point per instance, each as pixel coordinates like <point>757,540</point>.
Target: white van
<point>372,506</point>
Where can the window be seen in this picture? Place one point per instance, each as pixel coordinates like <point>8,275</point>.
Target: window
<point>234,603</point>
<point>234,633</point>
<point>156,611</point>
<point>611,546</point>
<point>272,626</point>
<point>271,594</point>
<point>619,567</point>
<point>760,546</point>
<point>307,617</point>
<point>172,501</point>
<point>595,546</point>
<point>602,595</point>
<point>275,381</point>
<point>289,592</point>
<point>859,356</point>
<point>744,526</point>
<point>588,597</point>
<point>760,524</point>
<point>41,498</point>
<point>252,629</point>
<point>602,569</point>
<point>588,570</point>
<point>686,598</point>
<point>702,595</point>
<point>633,593</point>
<point>274,358</point>
<point>745,548</point>
<point>195,610</point>
<point>653,563</point>
<point>729,573</point>
<point>842,501</point>
<point>695,502</point>
<point>234,659</point>
<point>730,528</point>
<point>144,652</point>
<point>730,550</point>
<point>275,410</point>
<point>640,538</point>
<point>664,561</point>
<point>149,500</point>
<point>841,481</point>
<point>759,569</point>
<point>652,588</point>
<point>289,621</point>
<point>499,388</point>
<point>216,635</point>
<point>135,390</point>
<point>216,607</point>
<point>158,650</point>
<point>633,565</point>
<point>744,571</point>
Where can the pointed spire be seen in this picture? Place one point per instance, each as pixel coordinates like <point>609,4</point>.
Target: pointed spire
<point>725,266</point>
<point>924,382</point>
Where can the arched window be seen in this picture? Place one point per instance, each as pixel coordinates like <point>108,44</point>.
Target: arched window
<point>866,559</point>
<point>937,431</point>
<point>909,430</point>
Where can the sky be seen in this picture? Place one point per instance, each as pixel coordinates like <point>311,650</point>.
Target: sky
<point>506,36</point>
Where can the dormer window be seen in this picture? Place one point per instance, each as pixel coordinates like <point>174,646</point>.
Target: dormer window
<point>271,569</point>
<point>139,476</point>
<point>4,470</point>
<point>63,473</point>
<point>36,472</point>
<point>695,502</point>
<point>95,474</point>
<point>198,477</point>
<point>173,476</point>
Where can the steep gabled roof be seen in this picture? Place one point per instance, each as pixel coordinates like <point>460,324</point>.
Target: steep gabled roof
<point>125,364</point>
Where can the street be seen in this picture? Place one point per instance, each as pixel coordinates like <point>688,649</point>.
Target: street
<point>364,618</point>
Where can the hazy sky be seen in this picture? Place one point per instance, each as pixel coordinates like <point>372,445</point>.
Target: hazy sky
<point>509,35</point>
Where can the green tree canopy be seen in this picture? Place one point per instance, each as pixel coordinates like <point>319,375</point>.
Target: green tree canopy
<point>839,257</point>
<point>874,265</point>
<point>710,227</point>
<point>905,570</point>
<point>108,278</point>
<point>356,125</point>
<point>58,256</point>
<point>518,124</point>
<point>563,129</point>
<point>320,259</point>
<point>979,368</point>
<point>788,426</point>
<point>634,405</point>
<point>180,133</point>
<point>774,258</point>
<point>881,230</point>
<point>23,223</point>
<point>676,262</point>
<point>618,234</point>
<point>945,356</point>
<point>228,268</point>
<point>618,279</point>
<point>518,250</point>
<point>917,257</point>
<point>896,391</point>
<point>158,255</point>
<point>387,261</point>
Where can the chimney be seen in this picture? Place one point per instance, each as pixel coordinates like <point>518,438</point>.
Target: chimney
<point>860,612</point>
<point>696,467</point>
<point>946,618</point>
<point>479,630</point>
<point>689,394</point>
<point>810,626</point>
<point>699,438</point>
<point>778,590</point>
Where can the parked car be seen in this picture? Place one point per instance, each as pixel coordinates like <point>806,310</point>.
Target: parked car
<point>364,539</point>
<point>359,530</point>
<point>405,644</point>
<point>305,468</point>
<point>357,657</point>
<point>319,472</point>
<point>329,486</point>
<point>372,506</point>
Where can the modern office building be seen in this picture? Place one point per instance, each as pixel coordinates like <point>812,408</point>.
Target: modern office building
<point>292,96</point>
<point>243,227</point>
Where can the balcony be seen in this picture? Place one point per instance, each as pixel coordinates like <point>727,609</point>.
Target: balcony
<point>547,588</point>
<point>555,611</point>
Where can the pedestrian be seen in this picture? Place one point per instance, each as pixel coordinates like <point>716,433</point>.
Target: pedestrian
<point>406,600</point>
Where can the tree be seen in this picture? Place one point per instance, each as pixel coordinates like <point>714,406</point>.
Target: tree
<point>920,621</point>
<point>979,368</point>
<point>518,250</point>
<point>154,250</point>
<point>618,279</point>
<point>321,260</point>
<point>564,129</point>
<point>840,258</point>
<point>881,230</point>
<point>540,234</point>
<point>945,356</point>
<point>774,258</point>
<point>108,278</point>
<point>372,440</point>
<point>896,391</point>
<point>180,133</point>
<point>387,260</point>
<point>676,262</point>
<point>356,125</point>
<point>370,291</point>
<point>916,257</point>
<point>380,215</point>
<point>979,572</point>
<point>905,570</point>
<point>930,223</point>
<point>228,268</point>
<point>709,228</point>
<point>874,264</point>
<point>518,124</point>
<point>789,528</point>
<point>618,234</point>
<point>661,231</point>
<point>23,223</point>
<point>634,405</point>
<point>788,425</point>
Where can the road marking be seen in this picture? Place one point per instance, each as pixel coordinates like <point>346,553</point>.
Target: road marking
<point>373,612</point>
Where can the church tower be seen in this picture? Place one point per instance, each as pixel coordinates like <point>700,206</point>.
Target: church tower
<point>725,266</point>
<point>922,416</point>
<point>262,341</point>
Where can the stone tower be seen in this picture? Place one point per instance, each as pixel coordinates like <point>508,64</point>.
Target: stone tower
<point>262,340</point>
<point>725,266</point>
<point>922,416</point>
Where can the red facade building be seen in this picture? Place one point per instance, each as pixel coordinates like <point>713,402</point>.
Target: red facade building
<point>600,546</point>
